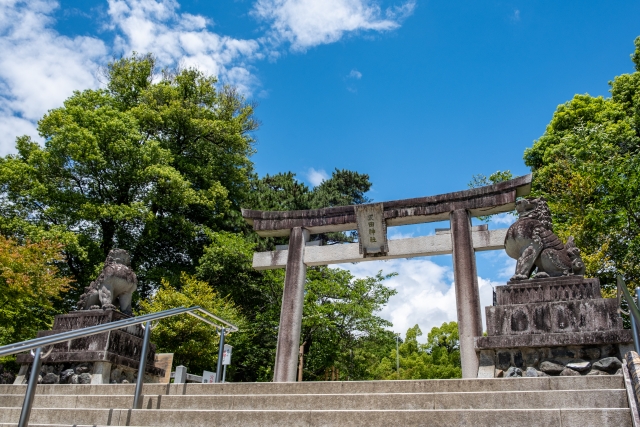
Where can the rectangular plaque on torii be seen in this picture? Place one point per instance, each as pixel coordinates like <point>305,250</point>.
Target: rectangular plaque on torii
<point>372,229</point>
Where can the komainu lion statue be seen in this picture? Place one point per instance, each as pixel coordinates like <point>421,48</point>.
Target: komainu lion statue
<point>116,283</point>
<point>531,241</point>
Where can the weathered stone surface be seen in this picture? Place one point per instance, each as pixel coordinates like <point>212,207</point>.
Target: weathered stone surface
<point>439,244</point>
<point>531,372</point>
<point>563,352</point>
<point>513,372</point>
<point>286,363</point>
<point>546,290</point>
<point>531,356</point>
<point>553,317</point>
<point>609,350</point>
<point>532,242</point>
<point>597,372</point>
<point>504,360</point>
<point>466,286</point>
<point>84,379</point>
<point>590,353</point>
<point>120,347</point>
<point>116,375</point>
<point>75,379</point>
<point>549,367</point>
<point>579,366</point>
<point>608,364</point>
<point>567,372</point>
<point>560,319</point>
<point>495,198</point>
<point>65,376</point>
<point>499,373</point>
<point>50,378</point>
<point>632,360</point>
<point>116,283</point>
<point>554,340</point>
<point>517,359</point>
<point>486,358</point>
<point>82,368</point>
<point>86,318</point>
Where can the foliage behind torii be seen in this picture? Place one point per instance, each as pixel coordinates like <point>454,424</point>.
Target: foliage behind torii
<point>587,166</point>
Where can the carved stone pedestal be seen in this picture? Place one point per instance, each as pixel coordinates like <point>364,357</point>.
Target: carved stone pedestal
<point>109,357</point>
<point>552,326</point>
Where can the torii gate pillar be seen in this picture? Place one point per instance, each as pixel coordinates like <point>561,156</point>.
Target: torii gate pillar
<point>467,294</point>
<point>291,312</point>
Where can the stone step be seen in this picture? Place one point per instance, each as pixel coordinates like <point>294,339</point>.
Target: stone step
<point>584,417</point>
<point>54,425</point>
<point>329,387</point>
<point>556,399</point>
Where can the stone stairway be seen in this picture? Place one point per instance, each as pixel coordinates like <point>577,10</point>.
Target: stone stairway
<point>548,401</point>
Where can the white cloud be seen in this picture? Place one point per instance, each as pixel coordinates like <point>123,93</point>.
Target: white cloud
<point>506,218</point>
<point>316,177</point>
<point>39,68</point>
<point>508,266</point>
<point>394,234</point>
<point>426,293</point>
<point>181,38</point>
<point>355,74</point>
<point>308,23</point>
<point>501,264</point>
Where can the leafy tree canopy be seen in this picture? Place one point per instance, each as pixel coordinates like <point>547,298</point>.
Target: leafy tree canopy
<point>587,166</point>
<point>29,285</point>
<point>481,180</point>
<point>147,164</point>
<point>194,344</point>
<point>340,318</point>
<point>438,358</point>
<point>282,192</point>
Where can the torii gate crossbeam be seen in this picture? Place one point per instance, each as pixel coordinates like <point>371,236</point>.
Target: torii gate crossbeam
<point>462,241</point>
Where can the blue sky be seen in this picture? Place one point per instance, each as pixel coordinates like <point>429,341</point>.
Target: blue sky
<point>419,94</point>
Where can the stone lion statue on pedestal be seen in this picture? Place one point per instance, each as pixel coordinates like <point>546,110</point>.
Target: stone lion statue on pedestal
<point>532,242</point>
<point>116,283</point>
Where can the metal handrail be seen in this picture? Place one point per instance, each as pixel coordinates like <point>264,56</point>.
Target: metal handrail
<point>634,312</point>
<point>39,343</point>
<point>119,324</point>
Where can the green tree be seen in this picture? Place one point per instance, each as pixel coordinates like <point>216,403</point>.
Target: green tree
<point>340,321</point>
<point>480,180</point>
<point>193,342</point>
<point>30,283</point>
<point>437,359</point>
<point>282,192</point>
<point>144,165</point>
<point>587,166</point>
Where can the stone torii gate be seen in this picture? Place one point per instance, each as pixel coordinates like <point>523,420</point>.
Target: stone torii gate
<point>371,221</point>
